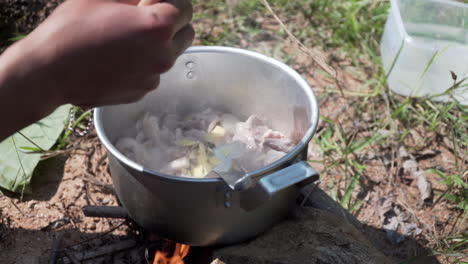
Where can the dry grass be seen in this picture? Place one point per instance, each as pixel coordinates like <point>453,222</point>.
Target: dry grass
<point>363,123</point>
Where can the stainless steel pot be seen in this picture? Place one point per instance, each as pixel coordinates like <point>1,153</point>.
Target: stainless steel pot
<point>203,212</point>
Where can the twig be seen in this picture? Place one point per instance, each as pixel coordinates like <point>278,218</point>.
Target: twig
<point>53,153</point>
<point>17,208</point>
<point>102,160</point>
<point>56,224</point>
<point>105,250</point>
<point>55,249</point>
<point>89,179</point>
<point>410,210</point>
<point>88,197</point>
<point>65,209</point>
<point>89,167</point>
<point>392,166</point>
<point>4,227</point>
<point>97,236</point>
<point>440,197</point>
<point>105,211</point>
<point>317,57</point>
<point>457,224</point>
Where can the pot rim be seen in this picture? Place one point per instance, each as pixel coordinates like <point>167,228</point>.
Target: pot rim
<point>314,118</point>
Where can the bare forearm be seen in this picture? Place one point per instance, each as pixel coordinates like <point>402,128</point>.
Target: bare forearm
<point>114,56</point>
<point>24,97</point>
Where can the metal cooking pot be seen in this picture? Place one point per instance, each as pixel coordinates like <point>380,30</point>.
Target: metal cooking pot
<point>203,212</point>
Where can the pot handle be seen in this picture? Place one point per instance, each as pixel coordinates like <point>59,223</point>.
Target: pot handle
<point>300,173</point>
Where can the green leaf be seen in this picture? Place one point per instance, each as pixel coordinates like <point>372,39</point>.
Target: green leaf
<point>16,165</point>
<point>403,108</point>
<point>362,143</point>
<point>438,172</point>
<point>451,197</point>
<point>431,61</point>
<point>355,206</point>
<point>31,149</point>
<point>458,181</point>
<point>332,190</point>
<point>17,36</point>
<point>349,192</point>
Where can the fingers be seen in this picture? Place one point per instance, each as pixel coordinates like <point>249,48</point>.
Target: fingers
<point>143,89</point>
<point>139,2</point>
<point>124,94</point>
<point>177,13</point>
<point>151,83</point>
<point>147,2</point>
<point>183,39</point>
<point>129,2</point>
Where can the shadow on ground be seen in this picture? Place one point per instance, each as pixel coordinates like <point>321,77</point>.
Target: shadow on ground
<point>45,181</point>
<point>20,246</point>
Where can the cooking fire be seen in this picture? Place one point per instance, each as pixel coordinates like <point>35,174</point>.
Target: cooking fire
<point>180,252</point>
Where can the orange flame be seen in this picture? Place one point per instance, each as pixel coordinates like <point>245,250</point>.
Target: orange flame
<point>180,253</point>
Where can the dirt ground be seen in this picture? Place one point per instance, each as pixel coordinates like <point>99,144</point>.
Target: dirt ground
<point>61,186</point>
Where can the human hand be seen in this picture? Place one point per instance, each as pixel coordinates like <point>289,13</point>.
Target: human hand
<point>98,52</point>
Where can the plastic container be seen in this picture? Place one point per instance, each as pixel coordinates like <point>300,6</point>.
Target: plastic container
<point>424,40</point>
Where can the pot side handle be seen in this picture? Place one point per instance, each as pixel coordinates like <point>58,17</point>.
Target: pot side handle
<point>300,173</point>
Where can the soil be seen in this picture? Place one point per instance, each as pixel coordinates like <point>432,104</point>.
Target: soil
<point>62,185</point>
<point>21,16</point>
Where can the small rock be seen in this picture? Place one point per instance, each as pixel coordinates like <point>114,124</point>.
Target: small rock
<point>217,261</point>
<point>31,204</point>
<point>79,185</point>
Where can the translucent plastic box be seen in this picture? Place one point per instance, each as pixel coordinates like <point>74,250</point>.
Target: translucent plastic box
<point>423,41</point>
